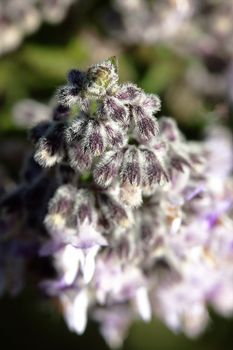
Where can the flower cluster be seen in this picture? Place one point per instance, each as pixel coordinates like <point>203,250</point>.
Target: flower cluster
<point>97,140</point>
<point>187,27</point>
<point>137,220</point>
<point>19,18</point>
<point>192,25</point>
<point>151,21</point>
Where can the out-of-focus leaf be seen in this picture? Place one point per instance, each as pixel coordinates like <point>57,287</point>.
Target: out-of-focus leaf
<point>160,75</point>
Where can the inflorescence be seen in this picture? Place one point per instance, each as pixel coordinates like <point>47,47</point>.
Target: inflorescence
<point>137,220</point>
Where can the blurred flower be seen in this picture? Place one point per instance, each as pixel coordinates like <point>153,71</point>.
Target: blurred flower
<point>19,18</point>
<point>151,21</point>
<point>189,28</point>
<point>27,113</point>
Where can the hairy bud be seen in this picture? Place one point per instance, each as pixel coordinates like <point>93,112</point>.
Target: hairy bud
<point>60,208</point>
<point>50,147</point>
<point>107,169</point>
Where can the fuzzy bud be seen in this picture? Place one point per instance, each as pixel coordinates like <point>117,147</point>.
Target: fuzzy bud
<point>131,177</point>
<point>169,129</point>
<point>131,171</point>
<point>76,78</point>
<point>61,112</point>
<point>94,140</point>
<point>60,208</point>
<point>107,169</point>
<point>143,110</point>
<point>83,207</point>
<point>154,170</point>
<point>128,93</point>
<point>115,110</point>
<point>68,95</point>
<point>50,147</point>
<point>115,135</point>
<point>114,212</point>
<point>79,160</point>
<point>101,78</point>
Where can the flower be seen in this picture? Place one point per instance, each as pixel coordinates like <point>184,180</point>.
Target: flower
<point>75,241</point>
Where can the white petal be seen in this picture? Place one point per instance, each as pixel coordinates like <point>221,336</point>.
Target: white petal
<point>88,266</point>
<point>143,304</point>
<point>70,263</point>
<point>76,312</point>
<point>80,312</point>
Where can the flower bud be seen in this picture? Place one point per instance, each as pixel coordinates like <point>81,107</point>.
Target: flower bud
<point>94,140</point>
<point>61,112</point>
<point>178,161</point>
<point>115,136</point>
<point>128,93</point>
<point>60,208</point>
<point>93,136</point>
<point>107,169</point>
<point>143,108</point>
<point>115,110</point>
<point>76,128</point>
<point>145,124</point>
<point>50,147</point>
<point>114,212</point>
<point>101,78</point>
<point>151,103</point>
<point>83,207</point>
<point>131,177</point>
<point>131,171</point>
<point>79,160</point>
<point>76,78</point>
<point>168,129</point>
<point>154,170</point>
<point>68,95</point>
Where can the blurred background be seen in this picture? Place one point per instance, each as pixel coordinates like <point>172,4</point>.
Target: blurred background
<point>179,49</point>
